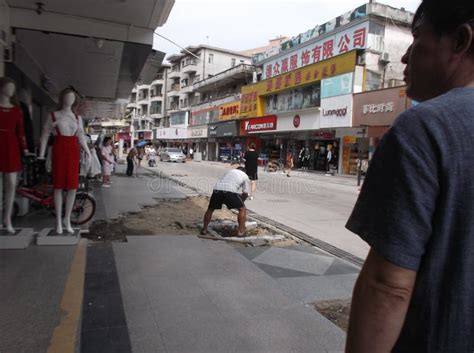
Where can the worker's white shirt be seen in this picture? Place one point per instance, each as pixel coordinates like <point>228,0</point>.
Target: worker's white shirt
<point>234,181</point>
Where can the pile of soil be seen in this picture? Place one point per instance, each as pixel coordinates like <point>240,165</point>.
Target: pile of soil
<point>337,311</point>
<point>169,217</point>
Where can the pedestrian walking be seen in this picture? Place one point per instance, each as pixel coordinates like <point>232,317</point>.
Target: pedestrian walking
<point>231,190</point>
<point>251,167</point>
<point>289,163</point>
<point>107,161</point>
<point>131,161</point>
<point>415,292</point>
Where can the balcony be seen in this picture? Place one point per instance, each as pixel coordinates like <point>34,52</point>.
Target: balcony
<point>173,107</point>
<point>187,89</point>
<point>175,90</point>
<point>156,97</point>
<point>190,67</point>
<point>174,74</point>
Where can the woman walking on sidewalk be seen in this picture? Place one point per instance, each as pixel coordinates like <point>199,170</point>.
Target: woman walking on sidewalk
<point>107,161</point>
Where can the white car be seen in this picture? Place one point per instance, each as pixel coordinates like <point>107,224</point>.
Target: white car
<point>172,155</point>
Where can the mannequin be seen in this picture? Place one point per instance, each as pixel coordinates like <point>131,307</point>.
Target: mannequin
<point>68,131</point>
<point>12,141</point>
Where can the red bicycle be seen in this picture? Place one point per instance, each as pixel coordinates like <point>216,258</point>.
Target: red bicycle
<point>43,195</point>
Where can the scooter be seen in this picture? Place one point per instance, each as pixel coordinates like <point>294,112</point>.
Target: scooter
<point>151,161</point>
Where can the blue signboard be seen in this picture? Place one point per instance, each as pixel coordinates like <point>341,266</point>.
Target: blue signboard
<point>337,86</point>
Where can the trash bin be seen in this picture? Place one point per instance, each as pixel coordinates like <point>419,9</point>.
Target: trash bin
<point>197,157</point>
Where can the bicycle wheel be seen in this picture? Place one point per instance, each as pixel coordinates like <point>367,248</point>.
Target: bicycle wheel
<point>83,209</point>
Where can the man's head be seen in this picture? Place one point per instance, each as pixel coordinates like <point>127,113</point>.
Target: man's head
<point>441,56</point>
<point>242,169</point>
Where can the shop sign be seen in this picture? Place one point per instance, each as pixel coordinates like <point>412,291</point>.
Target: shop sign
<point>225,129</point>
<point>204,116</point>
<point>336,112</point>
<point>324,135</point>
<point>337,86</point>
<point>197,132</point>
<point>296,121</point>
<point>262,124</point>
<point>295,99</point>
<point>380,107</point>
<point>229,111</point>
<point>252,101</point>
<point>304,121</point>
<point>171,133</point>
<point>355,37</point>
<point>122,136</point>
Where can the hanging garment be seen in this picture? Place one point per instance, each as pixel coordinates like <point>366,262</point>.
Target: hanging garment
<point>12,139</point>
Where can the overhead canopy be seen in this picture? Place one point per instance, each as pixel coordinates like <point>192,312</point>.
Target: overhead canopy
<point>123,20</point>
<point>101,47</point>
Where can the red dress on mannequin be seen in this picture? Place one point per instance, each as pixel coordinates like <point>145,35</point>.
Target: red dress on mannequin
<point>65,161</point>
<point>12,139</point>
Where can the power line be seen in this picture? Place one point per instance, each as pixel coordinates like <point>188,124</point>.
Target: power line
<point>179,46</point>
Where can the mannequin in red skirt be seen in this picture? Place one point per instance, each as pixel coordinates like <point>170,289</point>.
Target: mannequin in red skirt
<point>68,131</point>
<point>12,143</point>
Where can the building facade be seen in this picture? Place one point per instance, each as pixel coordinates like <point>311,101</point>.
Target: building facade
<point>194,64</point>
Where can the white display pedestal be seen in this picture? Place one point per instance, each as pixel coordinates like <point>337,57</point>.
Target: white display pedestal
<point>48,236</point>
<point>20,240</point>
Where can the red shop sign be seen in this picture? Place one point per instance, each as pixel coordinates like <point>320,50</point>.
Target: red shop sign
<point>296,121</point>
<point>264,123</point>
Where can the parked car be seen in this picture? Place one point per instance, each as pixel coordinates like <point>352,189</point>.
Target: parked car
<point>172,155</point>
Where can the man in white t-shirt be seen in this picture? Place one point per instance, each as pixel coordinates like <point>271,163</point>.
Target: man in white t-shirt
<point>232,190</point>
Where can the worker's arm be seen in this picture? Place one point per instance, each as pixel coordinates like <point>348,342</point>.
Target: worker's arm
<point>379,305</point>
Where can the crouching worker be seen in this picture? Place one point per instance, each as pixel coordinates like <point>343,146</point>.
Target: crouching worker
<point>231,190</point>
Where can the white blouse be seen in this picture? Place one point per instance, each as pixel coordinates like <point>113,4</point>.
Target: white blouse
<point>67,125</point>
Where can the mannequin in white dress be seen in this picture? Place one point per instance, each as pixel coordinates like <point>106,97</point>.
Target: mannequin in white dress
<point>11,135</point>
<point>68,131</point>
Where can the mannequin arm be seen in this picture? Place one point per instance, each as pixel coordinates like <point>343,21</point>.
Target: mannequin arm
<point>82,137</point>
<point>47,128</point>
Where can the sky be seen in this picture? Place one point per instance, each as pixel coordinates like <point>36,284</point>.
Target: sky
<point>246,24</point>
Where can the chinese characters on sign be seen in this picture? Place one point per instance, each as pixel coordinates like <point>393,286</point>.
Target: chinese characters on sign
<point>378,108</point>
<point>229,111</point>
<point>337,44</point>
<point>249,102</point>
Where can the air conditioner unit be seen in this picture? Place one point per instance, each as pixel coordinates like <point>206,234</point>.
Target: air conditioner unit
<point>385,58</point>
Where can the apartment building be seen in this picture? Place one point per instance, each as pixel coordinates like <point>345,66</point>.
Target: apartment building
<point>146,107</point>
<point>194,64</point>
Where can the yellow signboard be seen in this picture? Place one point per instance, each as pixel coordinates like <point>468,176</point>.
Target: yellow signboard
<point>252,100</point>
<point>229,111</point>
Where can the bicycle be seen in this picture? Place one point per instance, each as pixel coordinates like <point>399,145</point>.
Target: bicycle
<point>42,194</point>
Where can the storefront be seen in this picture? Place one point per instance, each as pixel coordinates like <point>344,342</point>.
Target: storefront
<point>197,139</point>
<point>225,142</point>
<point>374,113</point>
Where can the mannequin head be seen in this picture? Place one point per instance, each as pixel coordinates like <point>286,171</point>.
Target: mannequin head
<point>68,98</point>
<point>7,89</point>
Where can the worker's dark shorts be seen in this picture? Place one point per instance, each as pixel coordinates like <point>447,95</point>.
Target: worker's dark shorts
<point>230,199</point>
<point>252,176</point>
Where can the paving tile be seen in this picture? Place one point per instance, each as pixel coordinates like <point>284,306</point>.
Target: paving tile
<point>281,272</point>
<point>339,267</point>
<point>106,340</point>
<point>311,289</point>
<point>103,311</point>
<point>295,260</point>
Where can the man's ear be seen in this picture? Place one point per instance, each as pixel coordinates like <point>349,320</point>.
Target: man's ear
<point>463,39</point>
